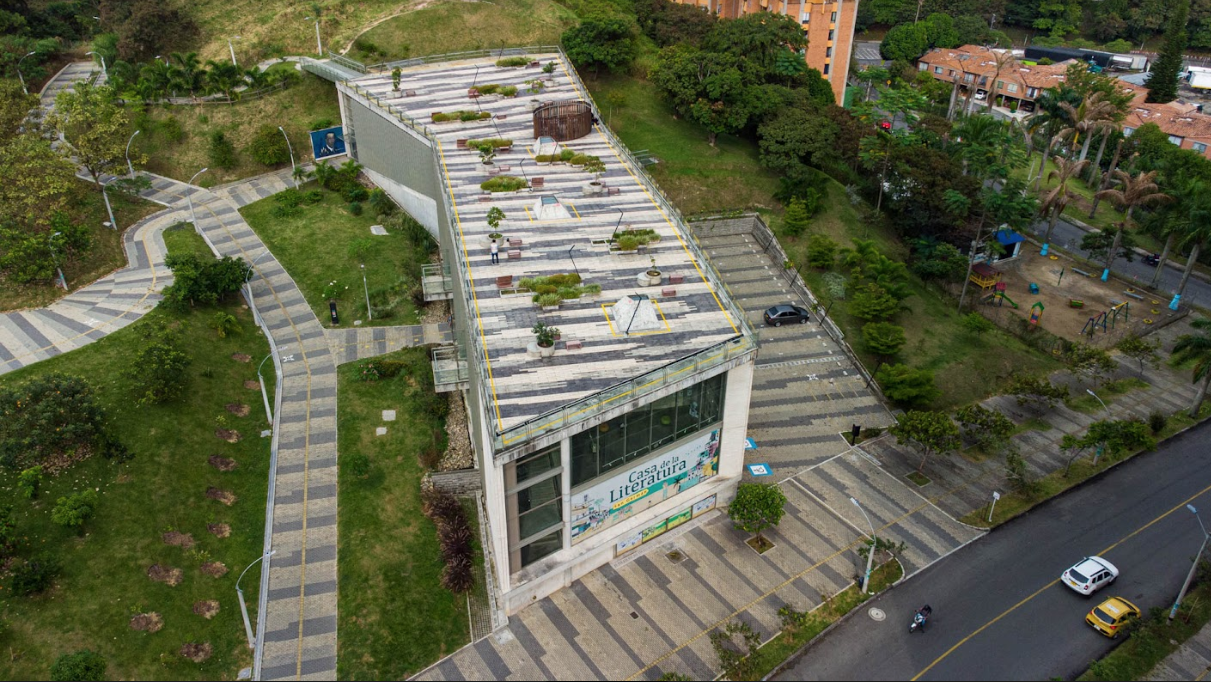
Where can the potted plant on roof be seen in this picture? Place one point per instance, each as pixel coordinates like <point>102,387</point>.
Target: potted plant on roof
<point>544,338</point>
<point>487,153</point>
<point>595,166</point>
<point>395,76</point>
<point>495,215</point>
<point>650,277</point>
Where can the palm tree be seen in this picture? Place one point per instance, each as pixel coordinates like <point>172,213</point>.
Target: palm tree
<point>224,77</point>
<point>983,139</point>
<point>1138,191</point>
<point>1105,183</point>
<point>1056,199</point>
<point>188,74</point>
<point>1197,347</point>
<point>158,77</point>
<point>1195,226</point>
<point>1093,115</point>
<point>1191,207</point>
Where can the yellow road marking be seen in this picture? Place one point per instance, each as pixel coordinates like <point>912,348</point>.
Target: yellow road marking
<point>574,210</point>
<point>527,210</point>
<point>1013,608</point>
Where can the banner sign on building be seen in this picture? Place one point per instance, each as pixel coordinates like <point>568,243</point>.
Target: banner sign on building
<point>704,506</point>
<point>618,497</point>
<point>327,142</point>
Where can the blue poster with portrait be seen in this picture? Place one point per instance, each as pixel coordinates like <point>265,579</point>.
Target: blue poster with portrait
<point>327,142</point>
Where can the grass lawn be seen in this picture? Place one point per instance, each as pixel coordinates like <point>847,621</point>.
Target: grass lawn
<point>788,642</point>
<point>106,255</point>
<point>306,105</point>
<point>104,580</point>
<point>966,366</point>
<point>315,248</point>
<point>697,177</point>
<point>451,26</point>
<point>395,618</point>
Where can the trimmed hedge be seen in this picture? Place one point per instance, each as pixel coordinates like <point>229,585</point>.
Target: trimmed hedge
<point>513,61</point>
<point>460,115</point>
<point>493,142</point>
<point>504,183</point>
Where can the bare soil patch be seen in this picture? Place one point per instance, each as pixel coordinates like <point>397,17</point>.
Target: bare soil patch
<point>207,609</point>
<point>198,653</point>
<point>223,463</point>
<point>225,496</point>
<point>182,540</point>
<point>241,357</point>
<point>214,569</point>
<point>166,574</point>
<point>252,384</point>
<point>147,622</point>
<point>229,435</point>
<point>238,409</point>
<point>219,530</point>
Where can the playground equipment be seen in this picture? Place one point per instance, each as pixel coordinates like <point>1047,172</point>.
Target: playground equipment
<point>1036,311</point>
<point>1107,319</point>
<point>985,276</point>
<point>1034,288</point>
<point>998,296</point>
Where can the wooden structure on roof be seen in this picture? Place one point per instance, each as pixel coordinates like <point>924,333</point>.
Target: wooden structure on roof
<point>563,121</point>
<point>984,276</point>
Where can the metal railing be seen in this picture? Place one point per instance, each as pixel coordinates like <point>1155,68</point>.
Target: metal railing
<point>455,56</point>
<point>743,344</point>
<point>348,63</point>
<point>449,368</point>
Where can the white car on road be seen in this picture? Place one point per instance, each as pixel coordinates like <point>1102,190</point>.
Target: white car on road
<point>1090,575</point>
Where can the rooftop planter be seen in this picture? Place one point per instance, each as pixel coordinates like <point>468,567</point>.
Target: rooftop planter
<point>564,155</point>
<point>504,183</point>
<point>493,142</point>
<point>544,339</point>
<point>496,89</point>
<point>630,241</point>
<point>651,277</point>
<point>551,290</point>
<point>460,115</point>
<point>513,62</point>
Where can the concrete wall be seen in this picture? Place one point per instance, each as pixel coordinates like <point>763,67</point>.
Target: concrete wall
<point>461,482</point>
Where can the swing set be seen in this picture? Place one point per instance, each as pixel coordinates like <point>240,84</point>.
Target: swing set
<point>1107,319</point>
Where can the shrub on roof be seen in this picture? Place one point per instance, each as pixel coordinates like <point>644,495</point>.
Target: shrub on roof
<point>504,183</point>
<point>513,61</point>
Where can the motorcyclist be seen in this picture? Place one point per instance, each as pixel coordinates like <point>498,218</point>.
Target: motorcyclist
<point>923,615</point>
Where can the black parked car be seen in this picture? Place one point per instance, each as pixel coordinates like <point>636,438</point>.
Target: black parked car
<point>785,314</point>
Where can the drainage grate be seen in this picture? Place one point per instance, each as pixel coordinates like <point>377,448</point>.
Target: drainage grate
<point>634,615</point>
<point>676,556</point>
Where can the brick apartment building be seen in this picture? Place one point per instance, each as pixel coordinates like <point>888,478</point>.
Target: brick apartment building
<point>829,25</point>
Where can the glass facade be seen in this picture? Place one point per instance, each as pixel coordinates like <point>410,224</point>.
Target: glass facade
<point>536,505</point>
<point>626,438</point>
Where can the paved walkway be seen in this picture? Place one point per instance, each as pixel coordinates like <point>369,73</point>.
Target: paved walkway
<point>367,342</point>
<point>1191,661</point>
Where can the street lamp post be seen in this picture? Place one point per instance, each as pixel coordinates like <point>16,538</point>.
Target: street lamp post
<point>366,288</point>
<point>231,49</point>
<point>319,47</point>
<point>264,394</point>
<point>129,166</point>
<point>243,607</point>
<point>290,148</point>
<point>113,224</point>
<point>1193,568</point>
<point>1100,447</point>
<point>104,70</point>
<point>55,259</point>
<point>189,198</point>
<point>870,556</point>
<point>19,76</point>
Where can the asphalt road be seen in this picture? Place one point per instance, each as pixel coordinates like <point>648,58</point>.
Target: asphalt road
<point>998,610</point>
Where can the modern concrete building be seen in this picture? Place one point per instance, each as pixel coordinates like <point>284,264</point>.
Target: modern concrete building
<point>829,25</point>
<point>634,421</point>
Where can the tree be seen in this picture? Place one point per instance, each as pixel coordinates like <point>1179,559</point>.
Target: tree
<point>1056,199</point>
<point>795,221</point>
<point>222,152</point>
<point>987,429</point>
<point>1133,192</point>
<point>883,338</point>
<point>1059,17</point>
<point>224,77</point>
<point>930,433</point>
<point>1037,390</point>
<point>873,302</point>
<point>1162,84</point>
<point>269,146</point>
<point>1139,349</point>
<point>821,251</point>
<point>1109,437</point>
<point>29,481</point>
<point>1090,362</point>
<point>151,28</point>
<point>1093,115</point>
<point>976,323</point>
<point>73,510</point>
<point>706,87</point>
<point>671,23</point>
<point>1196,347</point>
<point>205,282</point>
<point>160,367</point>
<point>34,184</point>
<point>94,124</point>
<point>79,665</point>
<point>47,418</point>
<point>1189,211</point>
<point>608,42</point>
<point>757,506</point>
<point>1099,244</point>
<point>187,73</point>
<point>906,385</point>
<point>15,105</point>
<point>797,137</point>
<point>905,43</point>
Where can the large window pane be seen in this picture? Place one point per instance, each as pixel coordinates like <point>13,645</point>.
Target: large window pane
<point>584,456</point>
<point>664,417</point>
<point>541,548</point>
<point>537,520</point>
<point>638,432</point>
<point>539,463</point>
<point>538,494</point>
<point>611,439</point>
<point>689,409</point>
<point>712,399</point>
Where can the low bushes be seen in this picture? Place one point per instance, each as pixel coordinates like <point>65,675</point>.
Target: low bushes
<point>553,289</point>
<point>512,62</point>
<point>564,155</point>
<point>497,89</point>
<point>460,115</point>
<point>504,183</point>
<point>49,419</point>
<point>454,534</point>
<point>630,240</point>
<point>493,142</point>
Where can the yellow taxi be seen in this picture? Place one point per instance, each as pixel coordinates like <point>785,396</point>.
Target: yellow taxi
<point>1112,615</point>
